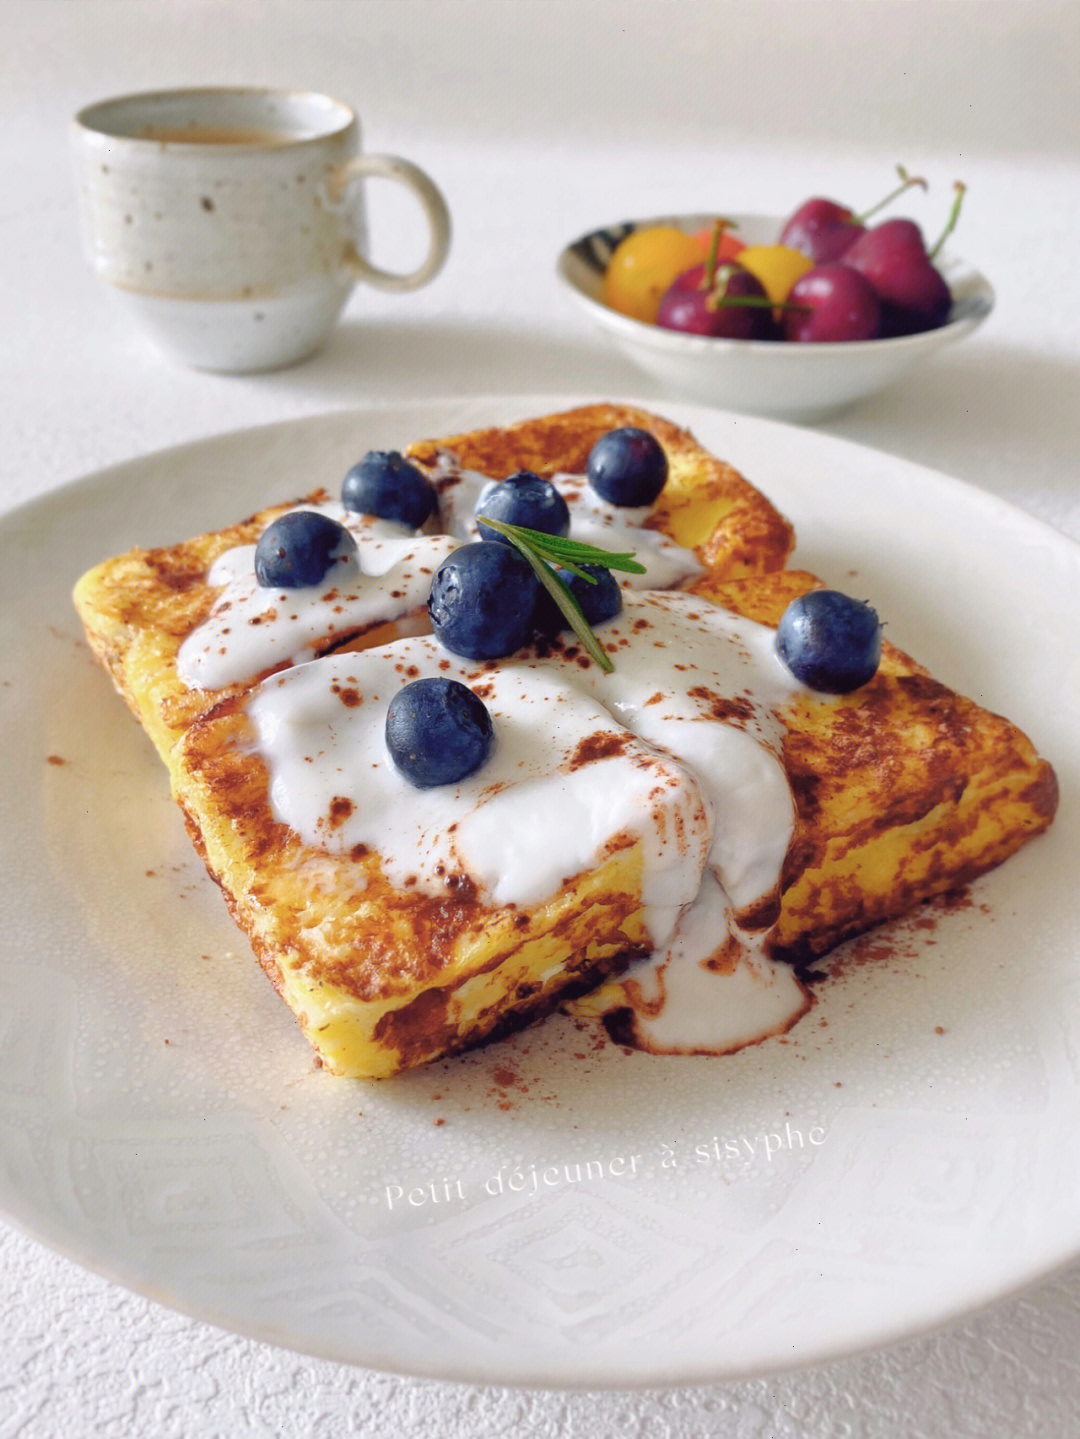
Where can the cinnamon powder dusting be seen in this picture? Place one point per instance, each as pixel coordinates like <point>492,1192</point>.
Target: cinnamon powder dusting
<point>723,707</point>
<point>604,744</point>
<point>341,807</point>
<point>905,938</point>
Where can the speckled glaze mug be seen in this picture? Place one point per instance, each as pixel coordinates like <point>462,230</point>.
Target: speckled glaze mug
<point>232,220</point>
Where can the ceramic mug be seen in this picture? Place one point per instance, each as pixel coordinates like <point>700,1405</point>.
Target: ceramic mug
<point>232,220</point>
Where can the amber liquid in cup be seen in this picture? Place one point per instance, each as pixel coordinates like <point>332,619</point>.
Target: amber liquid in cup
<point>214,135</point>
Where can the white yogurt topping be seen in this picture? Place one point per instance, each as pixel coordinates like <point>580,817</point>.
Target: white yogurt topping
<point>252,629</point>
<point>532,817</point>
<point>592,522</point>
<point>678,748</point>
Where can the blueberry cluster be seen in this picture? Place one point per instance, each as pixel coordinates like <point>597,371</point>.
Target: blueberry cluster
<point>486,600</point>
<point>484,605</point>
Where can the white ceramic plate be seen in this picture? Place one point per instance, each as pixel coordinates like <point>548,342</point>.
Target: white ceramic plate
<point>909,1153</point>
<point>760,377</point>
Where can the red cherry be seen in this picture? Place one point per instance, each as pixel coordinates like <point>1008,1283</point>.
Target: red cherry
<point>821,229</point>
<point>825,231</point>
<point>734,306</point>
<point>832,303</point>
<point>893,257</point>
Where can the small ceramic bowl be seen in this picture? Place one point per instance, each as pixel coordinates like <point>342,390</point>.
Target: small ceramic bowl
<point>782,379</point>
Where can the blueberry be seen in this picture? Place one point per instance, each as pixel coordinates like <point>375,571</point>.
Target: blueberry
<point>437,732</point>
<point>483,600</point>
<point>830,642</point>
<point>386,485</point>
<point>297,549</point>
<point>524,499</point>
<point>599,602</point>
<point>627,467</point>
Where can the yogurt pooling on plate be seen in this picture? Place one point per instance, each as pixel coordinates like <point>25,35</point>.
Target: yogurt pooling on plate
<point>678,749</point>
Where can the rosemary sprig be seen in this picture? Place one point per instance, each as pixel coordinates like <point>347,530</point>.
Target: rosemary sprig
<point>546,553</point>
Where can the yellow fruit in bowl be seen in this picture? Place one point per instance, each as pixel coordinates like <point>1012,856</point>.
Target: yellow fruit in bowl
<point>643,266</point>
<point>776,266</point>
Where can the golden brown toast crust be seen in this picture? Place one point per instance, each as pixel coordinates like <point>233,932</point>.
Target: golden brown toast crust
<point>706,505</point>
<point>375,974</point>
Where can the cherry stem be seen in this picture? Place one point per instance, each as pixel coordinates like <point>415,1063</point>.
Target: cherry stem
<point>755,302</point>
<point>954,215</point>
<point>708,278</point>
<point>719,301</point>
<point>906,182</point>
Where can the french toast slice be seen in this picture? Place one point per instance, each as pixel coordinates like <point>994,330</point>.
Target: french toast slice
<point>384,972</point>
<point>140,610</point>
<point>887,796</point>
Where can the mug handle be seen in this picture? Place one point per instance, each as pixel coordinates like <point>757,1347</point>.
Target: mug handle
<point>393,167</point>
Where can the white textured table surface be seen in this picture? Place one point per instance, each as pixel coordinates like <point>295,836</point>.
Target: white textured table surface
<point>536,137</point>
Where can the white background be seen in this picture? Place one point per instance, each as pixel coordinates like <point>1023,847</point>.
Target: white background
<point>541,120</point>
